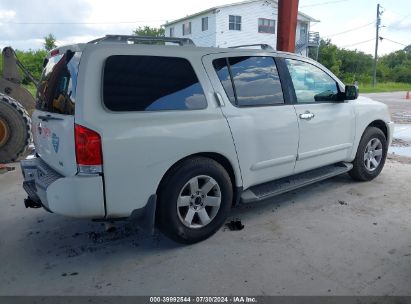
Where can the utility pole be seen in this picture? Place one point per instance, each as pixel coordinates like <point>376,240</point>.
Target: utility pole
<point>287,24</point>
<point>377,33</point>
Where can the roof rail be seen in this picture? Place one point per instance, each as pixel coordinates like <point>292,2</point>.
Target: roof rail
<point>262,45</point>
<point>142,39</point>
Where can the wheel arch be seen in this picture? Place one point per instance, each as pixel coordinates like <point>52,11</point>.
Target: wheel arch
<point>380,124</point>
<point>377,123</point>
<point>234,174</point>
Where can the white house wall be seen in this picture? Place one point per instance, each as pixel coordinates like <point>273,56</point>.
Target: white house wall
<point>200,38</point>
<point>218,33</point>
<point>249,12</point>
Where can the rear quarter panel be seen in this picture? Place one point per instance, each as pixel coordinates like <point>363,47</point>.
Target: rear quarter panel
<point>139,147</point>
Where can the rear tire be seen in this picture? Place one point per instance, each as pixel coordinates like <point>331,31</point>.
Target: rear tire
<point>15,129</point>
<point>194,200</point>
<point>371,155</point>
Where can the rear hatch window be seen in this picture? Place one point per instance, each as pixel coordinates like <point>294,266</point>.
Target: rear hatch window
<point>53,120</point>
<point>57,88</point>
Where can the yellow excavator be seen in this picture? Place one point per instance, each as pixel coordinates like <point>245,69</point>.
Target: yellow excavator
<point>16,107</point>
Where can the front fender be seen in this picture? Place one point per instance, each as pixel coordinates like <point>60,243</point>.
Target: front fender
<point>369,112</point>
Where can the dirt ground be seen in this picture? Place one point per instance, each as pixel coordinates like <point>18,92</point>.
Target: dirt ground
<point>337,237</point>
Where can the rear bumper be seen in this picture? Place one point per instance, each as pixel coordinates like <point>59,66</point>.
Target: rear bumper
<point>75,196</point>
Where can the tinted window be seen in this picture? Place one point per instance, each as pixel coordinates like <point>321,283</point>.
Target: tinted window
<point>221,67</point>
<point>58,83</point>
<point>256,81</point>
<point>148,83</point>
<point>311,84</point>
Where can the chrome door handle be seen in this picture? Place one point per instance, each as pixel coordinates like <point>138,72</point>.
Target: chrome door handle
<point>307,115</point>
<point>219,99</point>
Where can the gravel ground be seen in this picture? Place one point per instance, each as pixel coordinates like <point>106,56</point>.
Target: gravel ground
<point>400,108</point>
<point>337,237</point>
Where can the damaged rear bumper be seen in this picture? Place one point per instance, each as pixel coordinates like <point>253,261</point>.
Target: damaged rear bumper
<point>75,196</point>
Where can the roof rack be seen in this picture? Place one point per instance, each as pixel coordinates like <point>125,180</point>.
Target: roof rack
<point>262,45</point>
<point>141,39</point>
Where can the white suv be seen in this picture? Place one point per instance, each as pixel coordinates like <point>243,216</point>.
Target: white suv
<point>181,134</point>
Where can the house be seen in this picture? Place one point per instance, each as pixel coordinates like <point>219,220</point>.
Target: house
<point>247,22</point>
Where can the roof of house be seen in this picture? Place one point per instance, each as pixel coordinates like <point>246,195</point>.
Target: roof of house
<point>300,14</point>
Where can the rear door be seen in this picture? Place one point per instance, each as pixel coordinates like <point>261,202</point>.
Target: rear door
<point>53,120</point>
<point>262,121</point>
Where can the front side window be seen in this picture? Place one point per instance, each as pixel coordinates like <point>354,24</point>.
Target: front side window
<point>186,28</point>
<point>250,81</point>
<point>204,24</point>
<point>234,23</point>
<point>151,83</point>
<point>311,84</point>
<point>58,84</point>
<point>266,26</point>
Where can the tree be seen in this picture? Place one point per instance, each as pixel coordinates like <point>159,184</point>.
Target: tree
<point>49,42</point>
<point>327,56</point>
<point>33,61</point>
<point>149,31</point>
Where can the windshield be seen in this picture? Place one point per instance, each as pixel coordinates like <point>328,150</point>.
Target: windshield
<point>57,87</point>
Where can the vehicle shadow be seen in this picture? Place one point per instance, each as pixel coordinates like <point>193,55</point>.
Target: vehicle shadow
<point>62,237</point>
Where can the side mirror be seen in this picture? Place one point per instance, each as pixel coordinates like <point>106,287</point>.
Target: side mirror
<point>351,92</point>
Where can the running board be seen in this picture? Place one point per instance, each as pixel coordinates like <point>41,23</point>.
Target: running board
<point>276,187</point>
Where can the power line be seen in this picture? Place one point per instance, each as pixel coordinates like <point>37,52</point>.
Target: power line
<point>350,45</point>
<point>382,38</point>
<point>323,3</point>
<point>350,30</point>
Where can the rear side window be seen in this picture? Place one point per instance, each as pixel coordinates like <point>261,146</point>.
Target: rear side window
<point>151,83</point>
<point>250,81</point>
<point>58,83</point>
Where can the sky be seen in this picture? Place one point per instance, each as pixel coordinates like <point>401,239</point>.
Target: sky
<point>25,23</point>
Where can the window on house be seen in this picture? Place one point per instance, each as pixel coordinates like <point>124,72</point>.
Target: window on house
<point>151,83</point>
<point>204,24</point>
<point>250,81</point>
<point>186,28</point>
<point>234,23</point>
<point>171,32</point>
<point>266,26</point>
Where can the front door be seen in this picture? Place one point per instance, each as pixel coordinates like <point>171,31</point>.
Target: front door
<point>327,126</point>
<point>262,122</point>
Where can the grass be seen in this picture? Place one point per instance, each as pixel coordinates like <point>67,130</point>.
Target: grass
<point>384,87</point>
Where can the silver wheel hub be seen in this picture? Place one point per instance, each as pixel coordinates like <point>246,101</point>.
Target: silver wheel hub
<point>373,154</point>
<point>199,201</point>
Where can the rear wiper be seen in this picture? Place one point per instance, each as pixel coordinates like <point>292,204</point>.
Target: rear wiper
<point>48,117</point>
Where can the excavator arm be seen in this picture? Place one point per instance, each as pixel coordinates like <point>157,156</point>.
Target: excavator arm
<point>11,80</point>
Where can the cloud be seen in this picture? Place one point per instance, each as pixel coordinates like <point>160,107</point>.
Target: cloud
<point>18,13</point>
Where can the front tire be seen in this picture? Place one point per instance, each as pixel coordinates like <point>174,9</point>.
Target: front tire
<point>194,200</point>
<point>371,155</point>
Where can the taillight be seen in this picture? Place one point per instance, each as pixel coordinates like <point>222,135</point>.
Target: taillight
<point>88,150</point>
